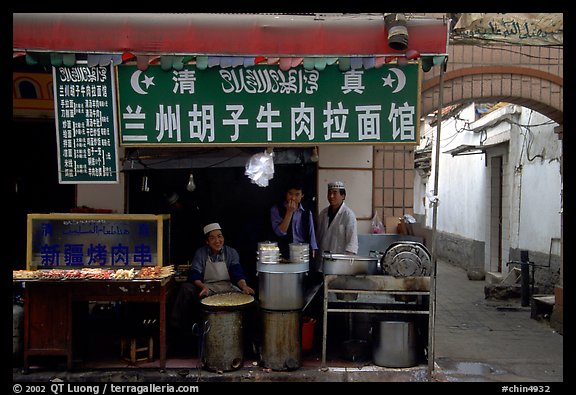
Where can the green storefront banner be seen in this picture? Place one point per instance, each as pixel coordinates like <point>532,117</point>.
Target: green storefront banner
<point>265,105</point>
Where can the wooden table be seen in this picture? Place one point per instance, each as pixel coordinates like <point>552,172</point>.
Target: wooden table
<point>48,311</point>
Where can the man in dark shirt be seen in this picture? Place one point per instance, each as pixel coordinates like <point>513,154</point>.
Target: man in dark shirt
<point>292,222</point>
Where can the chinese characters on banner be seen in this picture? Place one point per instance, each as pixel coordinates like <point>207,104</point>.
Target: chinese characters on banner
<point>266,105</point>
<point>62,241</point>
<point>85,113</point>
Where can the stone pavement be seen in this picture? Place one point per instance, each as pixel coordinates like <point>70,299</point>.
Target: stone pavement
<point>476,340</point>
<point>487,340</point>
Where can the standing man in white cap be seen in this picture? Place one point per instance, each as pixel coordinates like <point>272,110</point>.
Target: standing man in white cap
<point>337,226</point>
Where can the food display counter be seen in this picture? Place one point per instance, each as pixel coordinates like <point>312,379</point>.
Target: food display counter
<point>48,310</point>
<point>90,258</point>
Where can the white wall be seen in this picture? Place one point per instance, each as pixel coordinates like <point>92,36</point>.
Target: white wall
<point>421,184</point>
<point>461,184</point>
<point>102,196</point>
<point>351,164</point>
<point>540,185</point>
<point>540,207</point>
<point>531,189</point>
<point>462,208</point>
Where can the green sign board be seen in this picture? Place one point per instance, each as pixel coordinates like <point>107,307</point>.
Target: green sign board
<point>266,105</point>
<point>85,112</point>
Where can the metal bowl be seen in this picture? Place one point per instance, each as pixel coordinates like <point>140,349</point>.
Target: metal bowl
<point>349,264</point>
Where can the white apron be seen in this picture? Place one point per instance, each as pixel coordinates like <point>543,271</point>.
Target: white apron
<point>217,278</point>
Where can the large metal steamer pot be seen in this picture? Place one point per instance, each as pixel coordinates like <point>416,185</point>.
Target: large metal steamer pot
<point>282,339</point>
<point>349,264</point>
<point>281,286</point>
<point>222,338</point>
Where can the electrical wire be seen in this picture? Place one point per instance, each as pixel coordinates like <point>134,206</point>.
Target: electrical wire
<point>497,46</point>
<point>529,140</point>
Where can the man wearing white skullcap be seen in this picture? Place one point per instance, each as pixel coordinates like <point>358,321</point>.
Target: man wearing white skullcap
<point>337,226</point>
<point>210,227</point>
<point>215,269</point>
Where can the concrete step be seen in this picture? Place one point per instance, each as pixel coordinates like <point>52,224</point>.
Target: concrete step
<point>494,277</point>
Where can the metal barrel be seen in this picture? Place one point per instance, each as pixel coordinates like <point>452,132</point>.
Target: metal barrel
<point>282,340</point>
<point>223,341</point>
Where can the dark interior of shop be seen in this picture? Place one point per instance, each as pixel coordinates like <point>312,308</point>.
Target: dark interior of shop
<point>34,187</point>
<point>222,194</point>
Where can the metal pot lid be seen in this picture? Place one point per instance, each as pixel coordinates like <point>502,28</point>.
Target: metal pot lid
<point>406,260</point>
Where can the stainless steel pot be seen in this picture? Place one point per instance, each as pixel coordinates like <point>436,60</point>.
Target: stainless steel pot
<point>349,264</point>
<point>394,344</point>
<point>281,286</point>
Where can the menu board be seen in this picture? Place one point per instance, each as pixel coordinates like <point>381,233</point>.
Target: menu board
<point>85,113</point>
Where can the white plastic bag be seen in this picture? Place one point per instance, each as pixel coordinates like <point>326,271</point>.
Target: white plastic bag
<point>260,168</point>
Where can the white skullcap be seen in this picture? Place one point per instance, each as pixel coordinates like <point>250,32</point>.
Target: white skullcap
<point>210,227</point>
<point>336,184</point>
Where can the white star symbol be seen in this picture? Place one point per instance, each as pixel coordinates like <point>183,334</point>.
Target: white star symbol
<point>148,81</point>
<point>388,81</point>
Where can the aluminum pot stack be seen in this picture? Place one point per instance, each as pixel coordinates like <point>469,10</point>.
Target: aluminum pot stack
<point>281,285</point>
<point>268,252</point>
<point>281,296</point>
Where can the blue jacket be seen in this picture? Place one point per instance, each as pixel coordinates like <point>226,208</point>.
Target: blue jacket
<point>228,254</point>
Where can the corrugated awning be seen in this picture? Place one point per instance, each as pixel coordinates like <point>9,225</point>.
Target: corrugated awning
<point>221,34</point>
<point>471,149</point>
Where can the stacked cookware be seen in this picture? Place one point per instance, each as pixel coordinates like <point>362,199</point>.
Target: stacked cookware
<point>281,297</point>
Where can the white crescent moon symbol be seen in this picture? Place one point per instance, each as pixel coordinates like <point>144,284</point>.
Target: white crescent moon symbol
<point>401,79</point>
<point>136,84</point>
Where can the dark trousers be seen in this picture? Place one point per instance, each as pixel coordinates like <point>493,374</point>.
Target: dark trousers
<point>186,309</point>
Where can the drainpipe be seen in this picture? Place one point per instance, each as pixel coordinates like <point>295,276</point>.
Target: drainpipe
<point>432,315</point>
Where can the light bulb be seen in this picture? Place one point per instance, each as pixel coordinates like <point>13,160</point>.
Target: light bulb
<point>314,157</point>
<point>191,187</point>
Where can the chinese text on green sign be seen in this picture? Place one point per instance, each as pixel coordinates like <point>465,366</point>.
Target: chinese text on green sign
<point>85,113</point>
<point>266,105</point>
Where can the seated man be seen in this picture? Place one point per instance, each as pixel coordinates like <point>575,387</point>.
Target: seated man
<point>215,269</point>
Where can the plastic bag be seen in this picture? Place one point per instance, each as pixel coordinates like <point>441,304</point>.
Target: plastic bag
<point>260,168</point>
<point>377,225</point>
